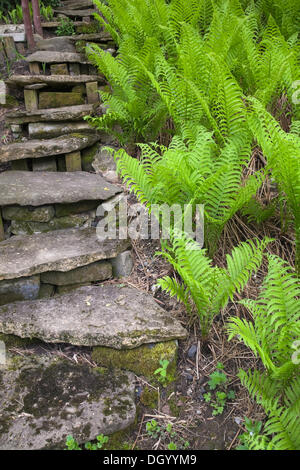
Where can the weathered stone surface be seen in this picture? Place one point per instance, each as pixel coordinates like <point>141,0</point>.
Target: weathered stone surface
<point>103,160</point>
<point>36,214</point>
<point>106,315</point>
<point>49,99</point>
<point>57,223</point>
<point>61,250</point>
<point>63,210</point>
<point>26,288</point>
<point>76,4</point>
<point>66,289</point>
<point>51,80</point>
<point>73,161</point>
<point>62,44</point>
<point>52,57</point>
<point>76,13</point>
<point>45,130</point>
<point>59,69</point>
<point>44,164</point>
<point>16,31</point>
<point>47,148</point>
<point>92,92</point>
<point>43,400</point>
<point>98,271</point>
<point>31,100</point>
<point>122,265</point>
<point>46,291</point>
<point>39,188</point>
<point>143,360</point>
<point>68,113</point>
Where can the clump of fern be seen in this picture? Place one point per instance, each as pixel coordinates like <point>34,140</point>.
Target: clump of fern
<point>271,336</point>
<point>204,288</point>
<point>193,170</point>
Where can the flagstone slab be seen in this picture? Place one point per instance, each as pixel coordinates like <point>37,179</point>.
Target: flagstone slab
<point>52,80</point>
<point>106,315</point>
<point>66,113</point>
<point>44,399</point>
<point>29,188</point>
<point>52,57</point>
<point>59,250</point>
<point>47,147</point>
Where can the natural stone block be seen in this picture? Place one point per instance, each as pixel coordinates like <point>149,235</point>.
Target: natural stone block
<point>46,291</point>
<point>34,214</point>
<point>62,44</point>
<point>12,341</point>
<point>60,250</point>
<point>88,156</point>
<point>31,100</point>
<point>66,289</point>
<point>61,164</point>
<point>51,80</point>
<point>51,99</point>
<point>2,235</point>
<point>54,57</point>
<point>57,223</point>
<point>56,398</point>
<point>103,160</point>
<point>80,88</point>
<point>59,69</point>
<point>47,147</point>
<point>106,315</point>
<point>73,161</point>
<point>42,130</point>
<point>26,288</point>
<point>122,265</point>
<point>69,113</point>
<point>92,92</point>
<point>20,165</point>
<point>143,360</point>
<point>44,164</point>
<point>98,271</point>
<point>37,189</point>
<point>74,69</point>
<point>63,210</point>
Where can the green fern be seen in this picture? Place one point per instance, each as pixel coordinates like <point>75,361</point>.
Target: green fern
<point>205,288</point>
<point>271,335</point>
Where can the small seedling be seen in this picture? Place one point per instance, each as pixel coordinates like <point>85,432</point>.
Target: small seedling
<point>253,428</point>
<point>101,440</point>
<point>218,379</point>
<point>162,371</point>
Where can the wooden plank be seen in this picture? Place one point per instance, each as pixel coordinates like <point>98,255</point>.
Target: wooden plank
<point>73,161</point>
<point>31,100</point>
<point>34,68</point>
<point>10,48</point>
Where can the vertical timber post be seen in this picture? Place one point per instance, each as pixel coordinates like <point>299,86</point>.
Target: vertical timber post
<point>27,24</point>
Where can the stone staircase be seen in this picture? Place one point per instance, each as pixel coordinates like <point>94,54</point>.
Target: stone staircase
<point>53,267</point>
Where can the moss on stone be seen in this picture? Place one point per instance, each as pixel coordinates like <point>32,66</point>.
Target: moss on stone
<point>88,156</point>
<point>10,102</point>
<point>12,341</point>
<point>149,397</point>
<point>89,28</point>
<point>143,360</point>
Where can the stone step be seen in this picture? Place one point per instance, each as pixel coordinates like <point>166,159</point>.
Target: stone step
<point>55,24</point>
<point>45,398</point>
<point>76,13</point>
<point>60,250</point>
<point>75,4</point>
<point>102,36</point>
<point>65,113</point>
<point>48,147</point>
<point>52,57</point>
<point>44,130</point>
<point>30,188</point>
<point>106,315</point>
<point>53,80</point>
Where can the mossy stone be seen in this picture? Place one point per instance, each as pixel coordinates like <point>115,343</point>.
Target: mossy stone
<point>12,341</point>
<point>59,99</point>
<point>10,102</point>
<point>88,156</point>
<point>143,360</point>
<point>89,28</point>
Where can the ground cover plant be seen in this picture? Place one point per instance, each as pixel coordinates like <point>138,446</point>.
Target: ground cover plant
<point>206,91</point>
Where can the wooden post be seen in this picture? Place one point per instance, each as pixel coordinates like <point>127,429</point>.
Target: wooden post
<point>73,161</point>
<point>27,24</point>
<point>34,68</point>
<point>37,17</point>
<point>92,92</point>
